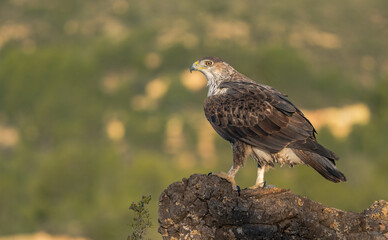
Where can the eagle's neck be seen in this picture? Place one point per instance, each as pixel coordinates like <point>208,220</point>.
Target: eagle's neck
<point>215,78</point>
<point>214,87</point>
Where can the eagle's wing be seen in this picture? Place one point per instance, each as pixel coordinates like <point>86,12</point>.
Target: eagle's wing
<point>261,116</point>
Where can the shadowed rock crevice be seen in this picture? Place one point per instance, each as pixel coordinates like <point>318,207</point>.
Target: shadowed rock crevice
<point>206,207</point>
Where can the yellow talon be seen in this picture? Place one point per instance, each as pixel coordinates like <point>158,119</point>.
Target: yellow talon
<point>227,177</point>
<point>257,185</point>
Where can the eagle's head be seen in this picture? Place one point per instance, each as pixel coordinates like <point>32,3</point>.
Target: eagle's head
<point>214,69</point>
<point>206,64</point>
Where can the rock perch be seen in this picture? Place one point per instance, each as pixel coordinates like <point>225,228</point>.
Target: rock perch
<point>206,207</point>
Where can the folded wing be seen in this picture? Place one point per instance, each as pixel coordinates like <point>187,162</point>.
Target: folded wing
<point>262,117</point>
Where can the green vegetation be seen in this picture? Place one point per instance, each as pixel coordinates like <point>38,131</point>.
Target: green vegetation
<point>94,112</point>
<point>141,219</point>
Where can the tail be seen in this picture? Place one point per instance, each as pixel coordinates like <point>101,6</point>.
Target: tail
<point>325,166</point>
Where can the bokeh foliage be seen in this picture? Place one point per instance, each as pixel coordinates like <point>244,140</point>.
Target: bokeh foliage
<point>70,68</point>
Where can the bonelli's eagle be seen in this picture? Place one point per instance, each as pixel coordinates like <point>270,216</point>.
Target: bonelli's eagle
<point>260,122</point>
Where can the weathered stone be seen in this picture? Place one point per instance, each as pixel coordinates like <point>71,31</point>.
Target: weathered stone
<point>206,207</point>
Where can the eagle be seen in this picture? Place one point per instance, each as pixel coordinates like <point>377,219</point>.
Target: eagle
<point>260,122</point>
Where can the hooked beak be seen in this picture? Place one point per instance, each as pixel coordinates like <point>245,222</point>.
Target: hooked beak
<point>194,67</point>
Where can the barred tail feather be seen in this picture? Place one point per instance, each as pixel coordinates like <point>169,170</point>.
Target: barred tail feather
<point>322,165</point>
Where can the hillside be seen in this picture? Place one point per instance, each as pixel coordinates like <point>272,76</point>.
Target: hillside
<point>97,107</point>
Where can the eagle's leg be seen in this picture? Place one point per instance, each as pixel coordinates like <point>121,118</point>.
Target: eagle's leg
<point>233,171</point>
<point>260,178</point>
<point>231,174</point>
<point>240,153</point>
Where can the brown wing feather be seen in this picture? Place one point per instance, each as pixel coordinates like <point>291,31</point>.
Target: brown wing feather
<point>257,115</point>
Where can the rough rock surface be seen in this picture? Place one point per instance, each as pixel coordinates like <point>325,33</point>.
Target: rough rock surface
<point>206,207</point>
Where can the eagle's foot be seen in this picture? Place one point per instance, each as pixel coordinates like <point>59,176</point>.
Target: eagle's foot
<point>227,177</point>
<point>258,185</point>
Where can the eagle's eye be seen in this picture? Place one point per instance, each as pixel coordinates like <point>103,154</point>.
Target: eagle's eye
<point>208,63</point>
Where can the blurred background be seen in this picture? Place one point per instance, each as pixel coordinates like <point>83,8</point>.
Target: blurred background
<point>97,106</point>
